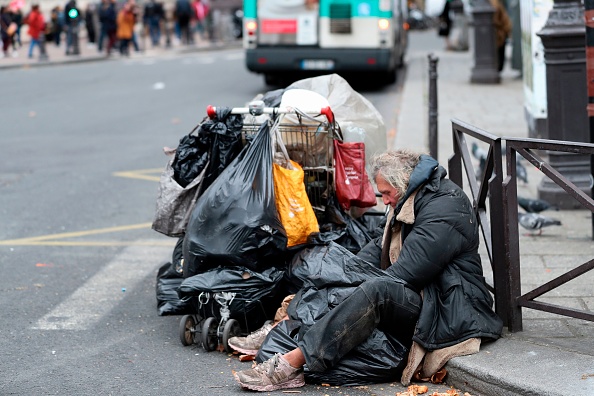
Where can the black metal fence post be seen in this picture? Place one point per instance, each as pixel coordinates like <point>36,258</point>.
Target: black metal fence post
<point>433,105</point>
<point>589,18</point>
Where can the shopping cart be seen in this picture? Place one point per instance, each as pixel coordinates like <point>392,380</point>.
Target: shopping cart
<point>307,136</point>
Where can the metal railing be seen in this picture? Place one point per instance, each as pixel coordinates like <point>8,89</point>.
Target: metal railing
<point>495,201</point>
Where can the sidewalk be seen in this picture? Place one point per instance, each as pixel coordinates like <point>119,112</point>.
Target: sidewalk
<point>89,53</point>
<point>554,355</point>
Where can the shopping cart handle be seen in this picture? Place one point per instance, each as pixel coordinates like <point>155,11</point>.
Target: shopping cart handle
<point>327,111</point>
<point>211,111</point>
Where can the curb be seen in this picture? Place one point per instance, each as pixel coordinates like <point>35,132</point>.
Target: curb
<point>97,58</point>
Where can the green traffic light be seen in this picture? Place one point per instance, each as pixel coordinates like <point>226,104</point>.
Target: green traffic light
<point>73,13</point>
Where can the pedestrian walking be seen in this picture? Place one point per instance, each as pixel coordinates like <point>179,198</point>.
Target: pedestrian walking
<point>36,23</point>
<point>152,19</point>
<point>201,10</point>
<point>108,28</point>
<point>90,14</point>
<point>7,29</point>
<point>445,24</point>
<point>57,24</point>
<point>125,28</point>
<point>135,11</point>
<point>429,247</point>
<point>183,16</point>
<point>503,28</point>
<point>17,17</point>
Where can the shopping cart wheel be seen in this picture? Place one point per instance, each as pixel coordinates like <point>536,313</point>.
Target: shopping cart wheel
<point>231,329</point>
<point>187,329</point>
<point>210,338</point>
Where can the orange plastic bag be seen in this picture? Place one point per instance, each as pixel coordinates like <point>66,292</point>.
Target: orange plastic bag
<point>292,204</point>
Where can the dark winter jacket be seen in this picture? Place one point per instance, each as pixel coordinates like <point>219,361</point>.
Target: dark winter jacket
<point>107,17</point>
<point>436,252</point>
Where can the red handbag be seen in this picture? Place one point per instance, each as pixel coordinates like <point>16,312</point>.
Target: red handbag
<point>353,187</point>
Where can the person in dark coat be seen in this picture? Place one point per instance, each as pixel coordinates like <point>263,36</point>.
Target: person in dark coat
<point>435,293</point>
<point>107,20</point>
<point>445,23</point>
<point>90,23</point>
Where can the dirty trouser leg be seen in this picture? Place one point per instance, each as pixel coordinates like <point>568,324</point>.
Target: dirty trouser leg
<point>378,303</point>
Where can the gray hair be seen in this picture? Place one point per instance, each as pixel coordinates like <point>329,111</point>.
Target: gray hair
<point>395,167</point>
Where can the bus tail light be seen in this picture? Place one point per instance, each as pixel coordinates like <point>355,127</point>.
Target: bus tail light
<point>251,27</point>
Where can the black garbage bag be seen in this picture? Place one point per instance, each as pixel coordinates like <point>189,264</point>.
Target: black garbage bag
<point>169,278</point>
<point>316,261</point>
<point>329,275</point>
<point>337,226</point>
<point>255,295</point>
<point>168,301</point>
<point>216,143</point>
<point>199,158</point>
<point>224,132</point>
<point>191,157</point>
<point>380,358</point>
<point>235,221</point>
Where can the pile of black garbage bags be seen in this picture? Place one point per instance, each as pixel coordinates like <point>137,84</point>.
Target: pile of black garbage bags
<point>217,198</point>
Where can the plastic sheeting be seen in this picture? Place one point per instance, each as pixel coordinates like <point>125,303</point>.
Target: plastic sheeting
<point>378,359</point>
<point>329,274</point>
<point>358,118</point>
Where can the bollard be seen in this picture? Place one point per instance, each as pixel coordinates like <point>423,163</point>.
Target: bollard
<point>433,105</point>
<point>485,51</point>
<point>563,37</point>
<point>42,52</point>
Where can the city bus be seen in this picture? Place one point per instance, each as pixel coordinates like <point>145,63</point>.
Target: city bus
<point>285,38</point>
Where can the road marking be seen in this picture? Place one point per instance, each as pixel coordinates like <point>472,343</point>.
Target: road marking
<point>235,56</point>
<point>101,293</point>
<point>58,239</point>
<point>143,174</point>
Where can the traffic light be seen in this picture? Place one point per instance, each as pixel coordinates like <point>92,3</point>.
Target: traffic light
<point>73,13</point>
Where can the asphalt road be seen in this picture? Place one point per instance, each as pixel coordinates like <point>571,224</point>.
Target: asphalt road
<point>80,157</point>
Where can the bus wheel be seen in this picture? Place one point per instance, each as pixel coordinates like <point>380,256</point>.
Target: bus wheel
<point>272,79</point>
<point>390,77</point>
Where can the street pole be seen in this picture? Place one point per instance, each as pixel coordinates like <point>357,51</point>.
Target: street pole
<point>433,105</point>
<point>563,37</point>
<point>42,52</point>
<point>589,19</point>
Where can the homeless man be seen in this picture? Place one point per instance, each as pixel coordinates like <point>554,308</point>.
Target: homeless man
<point>431,243</point>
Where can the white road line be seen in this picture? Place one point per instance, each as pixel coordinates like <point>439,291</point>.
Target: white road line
<point>235,56</point>
<point>93,300</point>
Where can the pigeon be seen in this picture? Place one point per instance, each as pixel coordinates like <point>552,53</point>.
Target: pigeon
<point>481,155</point>
<point>535,205</point>
<point>521,172</point>
<point>536,221</point>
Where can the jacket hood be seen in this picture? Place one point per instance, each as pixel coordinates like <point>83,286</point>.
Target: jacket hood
<point>419,176</point>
